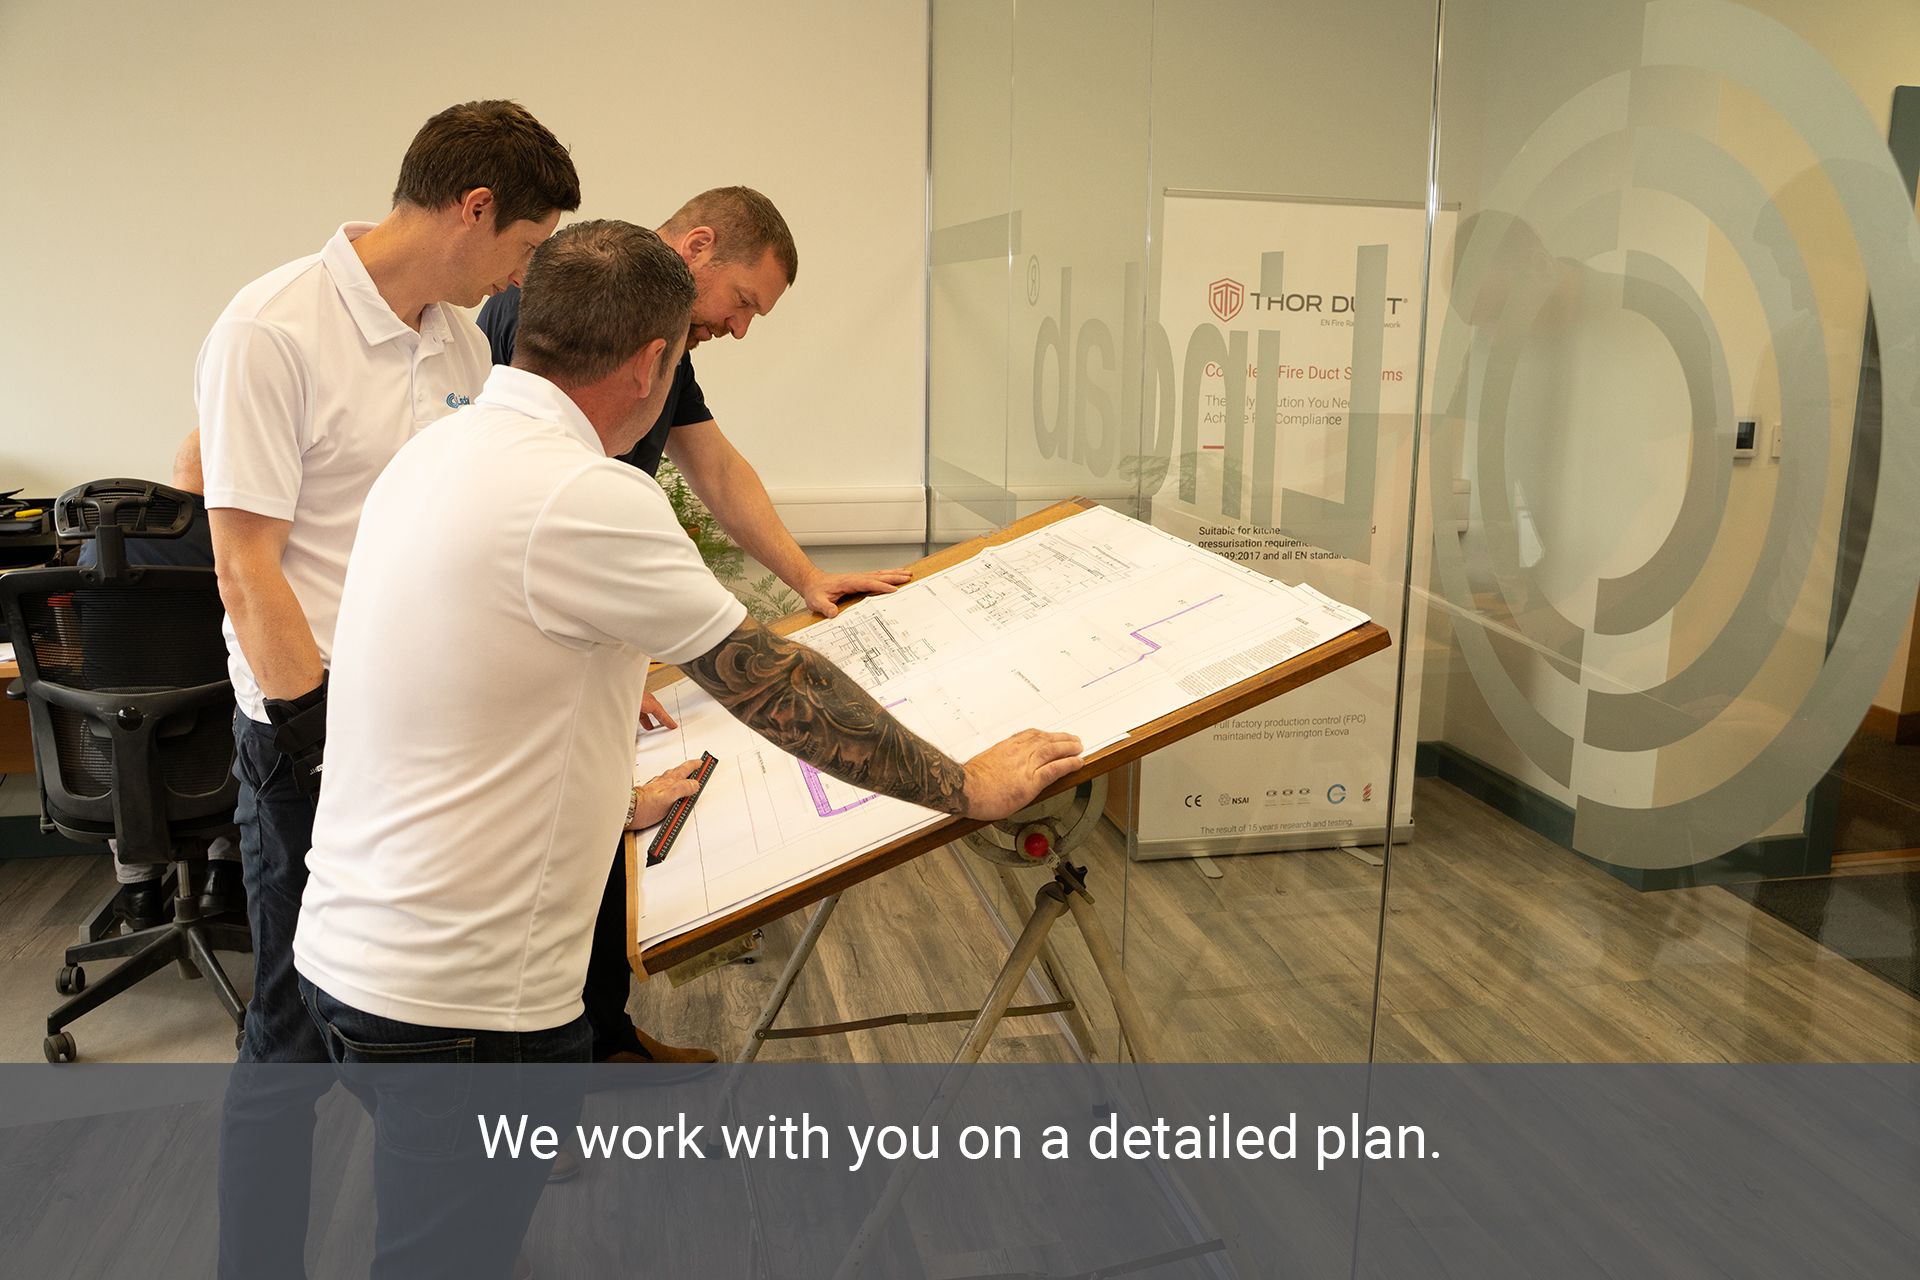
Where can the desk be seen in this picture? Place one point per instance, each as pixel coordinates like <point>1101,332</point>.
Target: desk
<point>1336,653</point>
<point>16,739</point>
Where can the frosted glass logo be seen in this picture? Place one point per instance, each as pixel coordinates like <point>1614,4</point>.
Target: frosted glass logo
<point>1104,384</point>
<point>1651,689</point>
<point>1226,298</point>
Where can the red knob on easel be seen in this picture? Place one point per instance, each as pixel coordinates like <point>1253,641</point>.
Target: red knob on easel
<point>1036,845</point>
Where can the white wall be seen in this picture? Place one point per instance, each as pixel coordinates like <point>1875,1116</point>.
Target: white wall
<point>159,155</point>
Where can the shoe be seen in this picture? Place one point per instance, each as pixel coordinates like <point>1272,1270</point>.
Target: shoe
<point>672,1063</point>
<point>143,904</point>
<point>652,1050</point>
<point>224,893</point>
<point>566,1167</point>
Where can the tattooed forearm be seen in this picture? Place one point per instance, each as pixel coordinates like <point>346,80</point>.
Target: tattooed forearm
<point>804,704</point>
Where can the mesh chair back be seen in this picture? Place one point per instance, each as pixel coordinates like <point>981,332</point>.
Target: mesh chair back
<point>100,659</point>
<point>140,508</point>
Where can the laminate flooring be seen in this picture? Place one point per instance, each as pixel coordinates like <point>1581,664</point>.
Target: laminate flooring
<point>1499,946</point>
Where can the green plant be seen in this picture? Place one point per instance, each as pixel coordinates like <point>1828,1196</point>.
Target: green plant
<point>766,598</point>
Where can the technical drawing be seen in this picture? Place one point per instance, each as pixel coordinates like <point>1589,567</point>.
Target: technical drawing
<point>1041,632</point>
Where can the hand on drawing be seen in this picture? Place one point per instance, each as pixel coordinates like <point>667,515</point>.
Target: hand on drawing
<point>1004,779</point>
<point>823,591</point>
<point>653,798</point>
<point>654,716</point>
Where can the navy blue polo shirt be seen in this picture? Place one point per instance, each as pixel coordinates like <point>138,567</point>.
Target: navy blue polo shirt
<point>192,549</point>
<point>500,321</point>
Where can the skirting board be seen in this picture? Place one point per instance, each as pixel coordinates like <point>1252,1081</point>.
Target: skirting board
<point>881,515</point>
<point>965,506</point>
<point>869,516</point>
<point>1894,726</point>
<point>21,837</point>
<point>1762,859</point>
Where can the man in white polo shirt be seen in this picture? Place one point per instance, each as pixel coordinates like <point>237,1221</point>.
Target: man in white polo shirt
<point>511,580</point>
<point>310,381</point>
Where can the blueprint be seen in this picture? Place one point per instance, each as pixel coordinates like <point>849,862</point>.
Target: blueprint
<point>1093,625</point>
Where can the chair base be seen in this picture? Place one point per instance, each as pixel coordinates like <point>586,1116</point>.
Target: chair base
<point>104,920</point>
<point>186,940</point>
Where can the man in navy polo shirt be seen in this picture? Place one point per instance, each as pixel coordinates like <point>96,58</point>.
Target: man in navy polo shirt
<point>742,257</point>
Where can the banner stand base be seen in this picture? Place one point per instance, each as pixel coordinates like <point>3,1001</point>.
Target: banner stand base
<point>1264,842</point>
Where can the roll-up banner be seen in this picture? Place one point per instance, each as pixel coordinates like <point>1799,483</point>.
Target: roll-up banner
<point>1300,322</point>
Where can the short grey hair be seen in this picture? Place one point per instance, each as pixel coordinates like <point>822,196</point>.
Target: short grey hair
<point>595,293</point>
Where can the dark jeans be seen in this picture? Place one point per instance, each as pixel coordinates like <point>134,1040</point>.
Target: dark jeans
<point>609,975</point>
<point>445,1208</point>
<point>266,1123</point>
<point>276,831</point>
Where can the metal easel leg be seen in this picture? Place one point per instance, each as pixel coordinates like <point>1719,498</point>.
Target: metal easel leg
<point>777,999</point>
<point>1056,973</point>
<point>802,952</point>
<point>1049,904</point>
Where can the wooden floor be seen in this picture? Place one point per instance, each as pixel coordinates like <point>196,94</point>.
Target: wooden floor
<point>1499,947</point>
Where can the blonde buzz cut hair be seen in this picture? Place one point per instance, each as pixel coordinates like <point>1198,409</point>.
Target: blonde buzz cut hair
<point>745,226</point>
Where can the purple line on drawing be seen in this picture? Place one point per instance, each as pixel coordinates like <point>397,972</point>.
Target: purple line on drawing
<point>818,790</point>
<point>1152,648</point>
<point>817,787</point>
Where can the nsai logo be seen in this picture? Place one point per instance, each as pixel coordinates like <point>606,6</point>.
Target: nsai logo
<point>1226,296</point>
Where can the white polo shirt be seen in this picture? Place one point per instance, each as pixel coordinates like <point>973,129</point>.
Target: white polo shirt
<point>306,387</point>
<point>508,586</point>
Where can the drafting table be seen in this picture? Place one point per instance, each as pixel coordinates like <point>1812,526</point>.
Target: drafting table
<point>1073,802</point>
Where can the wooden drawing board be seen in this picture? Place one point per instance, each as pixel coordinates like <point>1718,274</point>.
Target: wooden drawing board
<point>1271,683</point>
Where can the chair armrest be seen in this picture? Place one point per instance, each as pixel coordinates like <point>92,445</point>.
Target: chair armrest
<point>17,689</point>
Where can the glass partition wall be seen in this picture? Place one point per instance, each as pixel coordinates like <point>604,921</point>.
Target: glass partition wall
<point>1038,261</point>
<point>1671,590</point>
<point>1571,344</point>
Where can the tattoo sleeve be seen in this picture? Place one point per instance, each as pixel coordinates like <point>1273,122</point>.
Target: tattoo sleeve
<point>807,706</point>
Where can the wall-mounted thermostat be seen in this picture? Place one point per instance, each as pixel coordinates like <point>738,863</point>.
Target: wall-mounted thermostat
<point>1746,437</point>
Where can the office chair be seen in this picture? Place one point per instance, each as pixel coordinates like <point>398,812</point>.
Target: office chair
<point>124,672</point>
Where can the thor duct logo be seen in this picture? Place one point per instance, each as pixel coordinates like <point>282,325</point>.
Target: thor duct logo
<point>1226,297</point>
<point>1160,401</point>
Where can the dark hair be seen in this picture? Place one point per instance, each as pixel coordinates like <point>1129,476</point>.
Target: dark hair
<point>745,226</point>
<point>494,144</point>
<point>596,293</point>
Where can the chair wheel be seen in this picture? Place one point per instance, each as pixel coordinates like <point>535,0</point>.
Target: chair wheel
<point>71,980</point>
<point>61,1048</point>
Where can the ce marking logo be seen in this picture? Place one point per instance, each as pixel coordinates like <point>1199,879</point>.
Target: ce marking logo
<point>1191,802</point>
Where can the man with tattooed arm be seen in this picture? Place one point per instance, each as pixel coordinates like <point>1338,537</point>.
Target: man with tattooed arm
<point>500,608</point>
<point>511,580</point>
